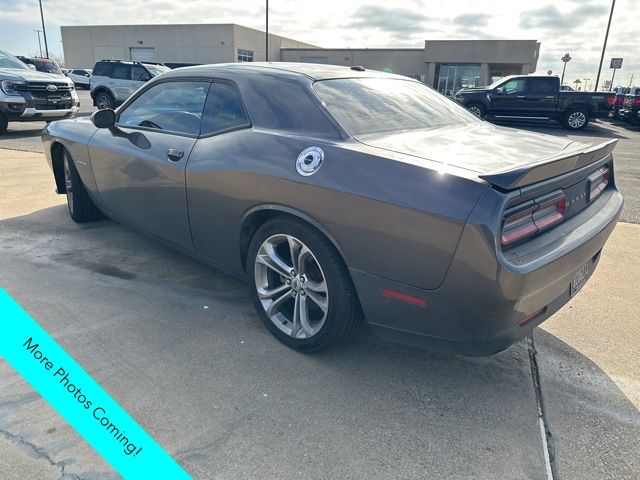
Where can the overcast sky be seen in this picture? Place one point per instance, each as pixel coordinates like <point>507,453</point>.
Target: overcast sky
<point>574,26</point>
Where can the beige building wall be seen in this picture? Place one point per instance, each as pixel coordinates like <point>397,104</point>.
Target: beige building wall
<point>206,43</point>
<point>403,61</point>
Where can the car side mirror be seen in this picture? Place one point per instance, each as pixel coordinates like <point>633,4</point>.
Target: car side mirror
<point>104,118</point>
<point>31,66</point>
<point>499,91</point>
<point>145,78</point>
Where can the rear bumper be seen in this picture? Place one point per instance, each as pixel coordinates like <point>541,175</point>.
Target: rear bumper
<point>478,308</point>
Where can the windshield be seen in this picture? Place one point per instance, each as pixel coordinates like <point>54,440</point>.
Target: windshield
<point>374,105</point>
<point>156,70</point>
<point>9,61</point>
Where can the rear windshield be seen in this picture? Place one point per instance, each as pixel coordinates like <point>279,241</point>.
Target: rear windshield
<point>47,66</point>
<point>378,105</point>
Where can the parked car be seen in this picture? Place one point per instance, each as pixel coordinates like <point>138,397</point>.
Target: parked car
<point>620,92</point>
<point>536,98</point>
<point>80,77</point>
<point>338,190</point>
<point>630,111</point>
<point>27,95</point>
<point>45,65</point>
<point>113,81</point>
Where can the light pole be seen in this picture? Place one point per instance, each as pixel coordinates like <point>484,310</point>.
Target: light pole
<point>604,47</point>
<point>39,44</point>
<point>44,32</point>
<point>566,59</point>
<point>266,36</point>
<point>586,82</point>
<point>577,82</point>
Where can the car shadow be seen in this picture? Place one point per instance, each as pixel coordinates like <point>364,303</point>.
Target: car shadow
<point>32,131</point>
<point>180,343</point>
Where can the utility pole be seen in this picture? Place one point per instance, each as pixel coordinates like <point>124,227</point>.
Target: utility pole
<point>39,44</point>
<point>44,32</point>
<point>604,47</point>
<point>266,36</point>
<point>631,81</point>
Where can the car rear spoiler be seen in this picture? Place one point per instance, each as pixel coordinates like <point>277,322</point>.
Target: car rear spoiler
<point>549,167</point>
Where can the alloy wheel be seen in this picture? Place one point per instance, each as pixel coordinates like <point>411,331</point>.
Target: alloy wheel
<point>577,119</point>
<point>476,111</point>
<point>291,286</point>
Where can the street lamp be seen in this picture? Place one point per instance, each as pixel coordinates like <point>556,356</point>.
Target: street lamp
<point>577,82</point>
<point>604,47</point>
<point>566,59</point>
<point>39,44</point>
<point>44,32</point>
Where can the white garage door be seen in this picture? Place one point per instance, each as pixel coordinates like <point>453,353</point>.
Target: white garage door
<point>143,54</point>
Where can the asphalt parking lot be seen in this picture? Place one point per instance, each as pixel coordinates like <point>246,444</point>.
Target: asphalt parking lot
<point>179,346</point>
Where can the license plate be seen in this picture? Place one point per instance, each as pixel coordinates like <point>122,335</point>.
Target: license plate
<point>580,278</point>
<point>54,100</point>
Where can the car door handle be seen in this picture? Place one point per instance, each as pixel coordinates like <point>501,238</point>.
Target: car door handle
<point>550,96</point>
<point>521,96</point>
<point>174,155</point>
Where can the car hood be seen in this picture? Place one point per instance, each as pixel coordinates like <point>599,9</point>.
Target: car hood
<point>479,147</point>
<point>29,75</point>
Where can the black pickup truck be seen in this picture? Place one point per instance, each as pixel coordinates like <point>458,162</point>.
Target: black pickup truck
<point>630,111</point>
<point>536,98</point>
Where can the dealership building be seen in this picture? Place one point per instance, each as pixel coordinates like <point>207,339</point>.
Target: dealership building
<point>446,65</point>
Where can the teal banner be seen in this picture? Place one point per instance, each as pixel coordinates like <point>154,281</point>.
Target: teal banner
<point>79,399</point>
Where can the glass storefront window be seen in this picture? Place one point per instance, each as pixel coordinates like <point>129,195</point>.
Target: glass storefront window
<point>453,77</point>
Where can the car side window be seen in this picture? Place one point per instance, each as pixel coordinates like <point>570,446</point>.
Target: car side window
<point>224,110</point>
<point>517,85</point>
<point>139,74</point>
<point>174,107</point>
<point>121,72</point>
<point>103,69</point>
<point>544,86</point>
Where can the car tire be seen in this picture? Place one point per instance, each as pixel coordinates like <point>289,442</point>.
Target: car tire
<point>576,118</point>
<point>105,101</point>
<point>81,207</point>
<point>4,124</point>
<point>319,279</point>
<point>477,109</point>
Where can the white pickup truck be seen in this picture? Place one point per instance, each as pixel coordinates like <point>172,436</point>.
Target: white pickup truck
<point>30,96</point>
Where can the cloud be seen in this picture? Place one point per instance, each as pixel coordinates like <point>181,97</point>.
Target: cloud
<point>400,21</point>
<point>472,20</point>
<point>551,18</point>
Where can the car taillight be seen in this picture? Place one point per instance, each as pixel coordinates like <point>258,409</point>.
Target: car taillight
<point>636,102</point>
<point>611,100</point>
<point>551,210</point>
<point>519,223</point>
<point>532,217</point>
<point>598,181</point>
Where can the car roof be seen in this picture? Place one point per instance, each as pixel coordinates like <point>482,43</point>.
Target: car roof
<point>311,70</point>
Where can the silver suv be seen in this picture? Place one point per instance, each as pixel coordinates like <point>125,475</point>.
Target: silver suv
<point>30,96</point>
<point>113,81</point>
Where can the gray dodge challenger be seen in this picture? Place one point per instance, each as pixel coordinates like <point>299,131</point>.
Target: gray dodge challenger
<point>341,193</point>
